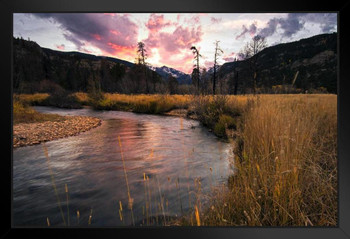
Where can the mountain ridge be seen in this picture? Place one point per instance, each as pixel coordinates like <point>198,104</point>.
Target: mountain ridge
<point>314,58</point>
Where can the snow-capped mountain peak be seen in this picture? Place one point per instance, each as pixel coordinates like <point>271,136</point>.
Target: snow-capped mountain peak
<point>166,71</point>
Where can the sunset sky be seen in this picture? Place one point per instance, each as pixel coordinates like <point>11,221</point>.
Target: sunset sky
<point>167,36</point>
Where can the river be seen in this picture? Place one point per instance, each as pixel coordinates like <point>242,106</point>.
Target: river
<point>169,163</point>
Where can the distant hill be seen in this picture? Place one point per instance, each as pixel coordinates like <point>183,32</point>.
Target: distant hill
<point>38,69</point>
<point>315,59</point>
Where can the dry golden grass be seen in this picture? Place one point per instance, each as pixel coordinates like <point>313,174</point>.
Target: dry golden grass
<point>31,99</point>
<point>82,97</point>
<point>153,104</point>
<point>23,113</point>
<point>286,165</point>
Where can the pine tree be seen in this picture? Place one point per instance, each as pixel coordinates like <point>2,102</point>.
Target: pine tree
<point>141,60</point>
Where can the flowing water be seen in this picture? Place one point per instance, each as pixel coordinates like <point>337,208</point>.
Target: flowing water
<point>171,164</point>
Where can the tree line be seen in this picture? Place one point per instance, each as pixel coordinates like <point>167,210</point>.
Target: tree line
<point>37,69</point>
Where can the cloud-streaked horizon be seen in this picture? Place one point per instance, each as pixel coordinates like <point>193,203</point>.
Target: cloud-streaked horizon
<point>167,36</point>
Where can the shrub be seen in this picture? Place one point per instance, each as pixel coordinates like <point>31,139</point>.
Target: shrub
<point>63,99</point>
<point>218,112</point>
<point>23,113</point>
<point>225,122</point>
<point>47,86</point>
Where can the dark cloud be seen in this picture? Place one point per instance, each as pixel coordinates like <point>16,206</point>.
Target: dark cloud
<point>270,29</point>
<point>327,21</point>
<point>104,31</point>
<point>294,22</point>
<point>79,44</point>
<point>291,25</point>
<point>251,30</point>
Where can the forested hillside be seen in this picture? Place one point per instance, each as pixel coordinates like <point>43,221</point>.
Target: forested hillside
<point>37,69</point>
<point>311,62</point>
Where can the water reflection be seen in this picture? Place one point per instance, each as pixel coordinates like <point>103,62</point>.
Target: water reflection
<point>165,159</point>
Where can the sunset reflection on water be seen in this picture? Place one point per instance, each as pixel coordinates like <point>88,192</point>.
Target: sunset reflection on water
<point>174,154</point>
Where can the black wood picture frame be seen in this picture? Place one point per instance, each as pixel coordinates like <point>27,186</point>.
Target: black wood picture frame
<point>8,7</point>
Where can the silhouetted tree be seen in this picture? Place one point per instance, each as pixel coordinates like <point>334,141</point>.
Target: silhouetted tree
<point>196,72</point>
<point>141,60</point>
<point>249,53</point>
<point>218,52</point>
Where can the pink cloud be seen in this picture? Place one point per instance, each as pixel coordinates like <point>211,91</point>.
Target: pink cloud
<point>208,64</point>
<point>156,22</point>
<point>194,20</point>
<point>173,47</point>
<point>115,32</point>
<point>181,38</point>
<point>97,37</point>
<point>123,52</point>
<point>178,17</point>
<point>215,20</point>
<point>229,57</point>
<point>182,61</point>
<point>60,47</point>
<point>109,14</point>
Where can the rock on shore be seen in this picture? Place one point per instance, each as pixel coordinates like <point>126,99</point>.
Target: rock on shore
<point>34,133</point>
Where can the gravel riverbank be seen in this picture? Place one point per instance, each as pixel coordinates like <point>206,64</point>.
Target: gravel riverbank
<point>34,133</point>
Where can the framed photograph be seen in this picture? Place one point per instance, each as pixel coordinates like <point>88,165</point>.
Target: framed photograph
<point>170,119</point>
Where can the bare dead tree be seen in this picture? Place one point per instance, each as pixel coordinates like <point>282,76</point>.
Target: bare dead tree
<point>218,52</point>
<point>249,52</point>
<point>196,72</point>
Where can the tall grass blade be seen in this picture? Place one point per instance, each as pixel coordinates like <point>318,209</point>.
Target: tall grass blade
<point>53,182</point>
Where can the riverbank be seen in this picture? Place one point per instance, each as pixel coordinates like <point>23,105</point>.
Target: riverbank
<point>25,134</point>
